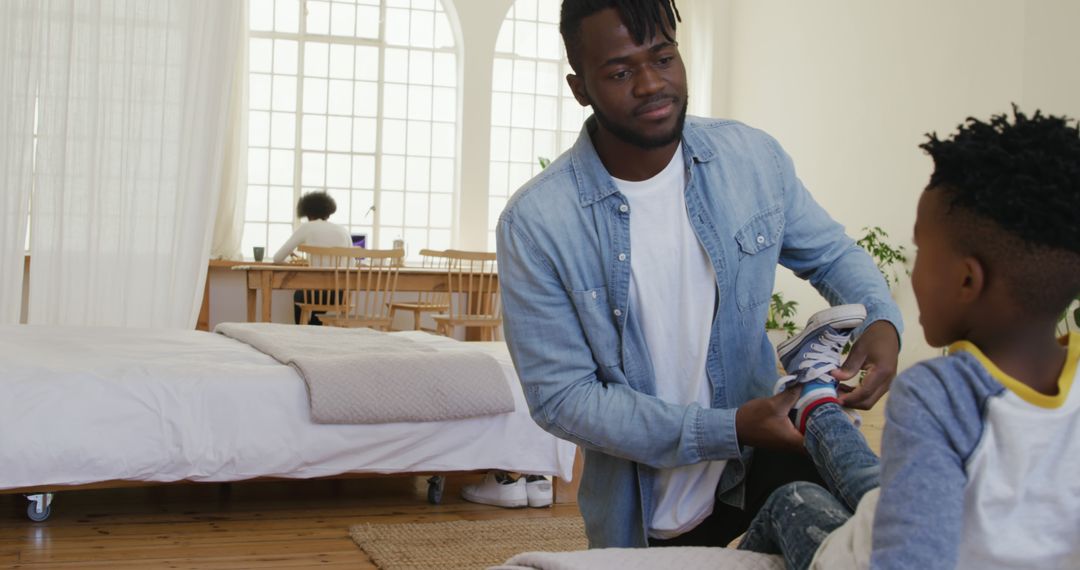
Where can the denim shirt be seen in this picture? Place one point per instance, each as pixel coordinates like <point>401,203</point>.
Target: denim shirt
<point>564,268</point>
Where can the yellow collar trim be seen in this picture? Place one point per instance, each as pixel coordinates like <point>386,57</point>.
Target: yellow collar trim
<point>1025,392</point>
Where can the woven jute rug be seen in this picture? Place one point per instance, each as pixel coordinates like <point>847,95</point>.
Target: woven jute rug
<point>465,544</point>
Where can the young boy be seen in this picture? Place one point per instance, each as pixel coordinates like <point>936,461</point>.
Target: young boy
<point>981,448</point>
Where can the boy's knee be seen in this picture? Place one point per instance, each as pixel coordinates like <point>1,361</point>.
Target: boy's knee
<point>798,493</point>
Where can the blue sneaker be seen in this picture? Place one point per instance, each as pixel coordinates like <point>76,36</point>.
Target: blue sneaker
<point>811,355</point>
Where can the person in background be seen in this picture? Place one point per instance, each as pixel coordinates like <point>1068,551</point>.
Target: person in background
<point>636,272</point>
<point>317,207</point>
<point>981,448</point>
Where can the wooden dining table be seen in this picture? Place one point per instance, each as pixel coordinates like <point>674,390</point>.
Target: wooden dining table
<point>266,278</point>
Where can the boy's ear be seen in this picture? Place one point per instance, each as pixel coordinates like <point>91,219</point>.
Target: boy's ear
<point>974,280</point>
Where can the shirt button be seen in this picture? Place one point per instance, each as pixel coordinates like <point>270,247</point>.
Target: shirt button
<point>624,208</point>
<point>622,257</point>
<point>594,295</point>
<point>761,239</point>
<point>618,313</point>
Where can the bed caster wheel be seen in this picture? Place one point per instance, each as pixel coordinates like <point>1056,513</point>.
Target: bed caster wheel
<point>39,507</point>
<point>435,488</point>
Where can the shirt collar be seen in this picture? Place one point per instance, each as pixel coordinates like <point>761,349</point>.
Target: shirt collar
<point>594,183</point>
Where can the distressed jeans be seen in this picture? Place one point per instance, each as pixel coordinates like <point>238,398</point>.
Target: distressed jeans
<point>798,516</point>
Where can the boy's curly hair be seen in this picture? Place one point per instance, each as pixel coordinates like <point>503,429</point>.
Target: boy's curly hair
<point>1013,193</point>
<point>316,206</point>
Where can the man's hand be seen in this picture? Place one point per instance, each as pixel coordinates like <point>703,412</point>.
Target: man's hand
<point>876,352</point>
<point>764,422</point>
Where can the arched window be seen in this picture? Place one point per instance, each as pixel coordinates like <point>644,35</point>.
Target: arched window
<point>533,113</point>
<point>358,97</point>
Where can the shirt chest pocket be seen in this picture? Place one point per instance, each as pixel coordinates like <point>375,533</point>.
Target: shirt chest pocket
<point>758,243</point>
<point>598,322</point>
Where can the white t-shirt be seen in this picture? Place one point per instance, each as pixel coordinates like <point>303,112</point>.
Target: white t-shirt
<point>319,233</point>
<point>673,292</point>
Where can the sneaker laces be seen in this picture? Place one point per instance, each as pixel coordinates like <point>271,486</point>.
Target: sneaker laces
<point>822,358</point>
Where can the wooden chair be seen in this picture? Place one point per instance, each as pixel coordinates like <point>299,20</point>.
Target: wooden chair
<point>325,300</point>
<point>427,301</point>
<point>474,294</point>
<point>366,280</point>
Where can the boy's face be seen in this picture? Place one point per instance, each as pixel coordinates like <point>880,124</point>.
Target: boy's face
<point>939,273</point>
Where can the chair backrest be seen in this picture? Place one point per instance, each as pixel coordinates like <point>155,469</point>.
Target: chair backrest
<point>473,284</point>
<point>434,260</point>
<point>367,278</point>
<point>339,258</point>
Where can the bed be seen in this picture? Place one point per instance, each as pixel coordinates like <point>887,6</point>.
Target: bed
<point>111,406</point>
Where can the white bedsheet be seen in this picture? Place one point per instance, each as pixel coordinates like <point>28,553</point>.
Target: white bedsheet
<point>84,405</point>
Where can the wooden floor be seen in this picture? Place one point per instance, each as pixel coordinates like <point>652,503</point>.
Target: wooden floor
<point>301,524</point>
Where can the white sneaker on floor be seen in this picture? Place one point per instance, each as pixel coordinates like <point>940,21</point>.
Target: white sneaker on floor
<point>498,491</point>
<point>538,489</point>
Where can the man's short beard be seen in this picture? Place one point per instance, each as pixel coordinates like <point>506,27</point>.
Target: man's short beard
<point>630,137</point>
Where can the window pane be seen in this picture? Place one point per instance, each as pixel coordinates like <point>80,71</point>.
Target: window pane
<point>338,170</point>
<point>341,61</point>
<point>339,134</point>
<point>547,78</point>
<point>367,63</point>
<point>281,204</point>
<point>442,175</point>
<point>261,15</point>
<point>284,96</point>
<point>419,102</point>
<point>393,173</point>
<point>444,37</point>
<point>343,20</point>
<point>521,114</point>
<point>287,16</point>
<point>313,135</point>
<point>284,57</point>
<point>444,70</point>
<point>340,99</point>
<point>258,165</point>
<point>277,235</point>
<point>367,22</point>
<point>314,95</point>
<point>313,169</point>
<point>416,209</point>
<point>363,172</point>
<point>316,59</point>
<point>341,198</point>
<point>259,128</point>
<point>440,210</point>
<point>259,91</point>
<point>521,145</point>
<point>439,239</point>
<point>420,67</point>
<point>366,99</point>
<point>256,203</point>
<point>283,130</point>
<point>442,139</point>
<point>397,66</point>
<point>393,136</point>
<point>500,143</point>
<point>397,27</point>
<point>364,135</point>
<point>422,29</point>
<point>417,174</point>
<point>318,17</point>
<point>395,101</point>
<point>524,76</point>
<point>259,56</point>
<point>525,39</point>
<point>392,208</point>
<point>281,167</point>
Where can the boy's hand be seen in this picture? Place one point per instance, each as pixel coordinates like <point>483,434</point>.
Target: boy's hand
<point>876,352</point>
<point>764,422</point>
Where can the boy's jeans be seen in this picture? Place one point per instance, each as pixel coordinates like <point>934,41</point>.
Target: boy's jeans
<point>798,516</point>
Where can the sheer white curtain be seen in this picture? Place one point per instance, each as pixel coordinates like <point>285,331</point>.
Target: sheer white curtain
<point>16,147</point>
<point>229,224</point>
<point>133,105</point>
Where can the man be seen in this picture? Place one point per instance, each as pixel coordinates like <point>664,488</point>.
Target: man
<point>636,272</point>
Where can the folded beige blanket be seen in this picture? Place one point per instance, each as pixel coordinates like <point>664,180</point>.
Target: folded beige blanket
<point>362,376</point>
<point>644,559</point>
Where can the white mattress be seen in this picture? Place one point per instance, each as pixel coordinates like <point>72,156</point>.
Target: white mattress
<point>84,405</point>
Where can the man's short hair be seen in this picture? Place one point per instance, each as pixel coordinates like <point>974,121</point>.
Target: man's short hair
<point>643,18</point>
<point>316,206</point>
<point>1013,193</point>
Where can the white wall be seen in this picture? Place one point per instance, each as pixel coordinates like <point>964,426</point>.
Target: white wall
<point>849,87</point>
